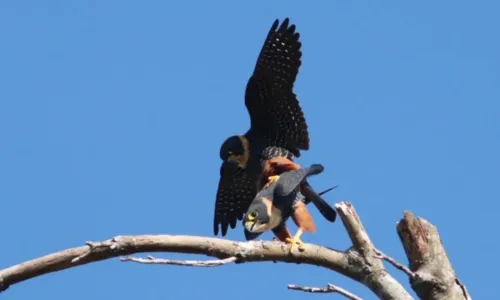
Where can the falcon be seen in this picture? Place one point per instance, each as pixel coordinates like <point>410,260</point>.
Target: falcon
<point>278,132</point>
<point>276,203</point>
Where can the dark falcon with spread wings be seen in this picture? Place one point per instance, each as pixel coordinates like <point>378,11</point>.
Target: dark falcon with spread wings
<point>278,130</point>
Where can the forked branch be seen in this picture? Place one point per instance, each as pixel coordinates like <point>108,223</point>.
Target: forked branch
<point>362,262</point>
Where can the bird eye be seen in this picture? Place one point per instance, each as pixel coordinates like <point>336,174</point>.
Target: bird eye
<point>230,153</point>
<point>252,215</point>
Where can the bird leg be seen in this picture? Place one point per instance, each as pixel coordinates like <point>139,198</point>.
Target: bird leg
<point>302,217</point>
<point>282,233</point>
<point>296,240</point>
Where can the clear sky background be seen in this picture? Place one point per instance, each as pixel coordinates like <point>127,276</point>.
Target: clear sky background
<point>112,114</point>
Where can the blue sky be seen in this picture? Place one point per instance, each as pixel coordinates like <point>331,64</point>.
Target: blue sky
<point>112,114</point>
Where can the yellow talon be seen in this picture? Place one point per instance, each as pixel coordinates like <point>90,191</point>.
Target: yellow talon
<point>272,179</point>
<point>296,240</point>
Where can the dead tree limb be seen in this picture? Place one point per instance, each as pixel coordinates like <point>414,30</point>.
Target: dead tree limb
<point>434,277</point>
<point>329,289</point>
<point>362,262</point>
<point>253,251</point>
<point>363,254</point>
<point>190,263</point>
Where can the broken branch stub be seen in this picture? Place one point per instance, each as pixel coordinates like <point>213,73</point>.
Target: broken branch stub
<point>434,277</point>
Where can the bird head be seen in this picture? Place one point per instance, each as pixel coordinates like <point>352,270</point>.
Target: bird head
<point>235,149</point>
<point>258,218</point>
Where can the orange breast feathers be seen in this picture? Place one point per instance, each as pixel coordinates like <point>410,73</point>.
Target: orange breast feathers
<point>301,215</point>
<point>276,166</point>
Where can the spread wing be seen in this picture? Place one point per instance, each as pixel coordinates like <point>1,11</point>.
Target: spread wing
<point>275,112</point>
<point>235,193</point>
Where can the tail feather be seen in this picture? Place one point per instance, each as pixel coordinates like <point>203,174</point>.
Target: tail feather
<point>323,192</point>
<point>324,208</point>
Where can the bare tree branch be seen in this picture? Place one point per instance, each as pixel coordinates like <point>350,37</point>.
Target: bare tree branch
<point>329,289</point>
<point>376,277</point>
<point>434,276</point>
<point>192,263</point>
<point>215,247</point>
<point>430,272</point>
<point>355,229</point>
<point>395,263</point>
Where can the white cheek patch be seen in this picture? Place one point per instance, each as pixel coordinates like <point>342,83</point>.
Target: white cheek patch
<point>273,212</point>
<point>275,218</point>
<point>268,203</point>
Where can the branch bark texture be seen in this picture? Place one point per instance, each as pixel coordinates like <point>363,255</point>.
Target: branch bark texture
<point>433,276</point>
<point>431,273</point>
<point>363,254</point>
<point>253,251</point>
<point>329,289</point>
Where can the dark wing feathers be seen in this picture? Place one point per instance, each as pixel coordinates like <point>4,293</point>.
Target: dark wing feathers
<point>280,55</point>
<point>235,193</point>
<point>276,118</point>
<point>272,152</point>
<point>290,180</point>
<point>275,112</point>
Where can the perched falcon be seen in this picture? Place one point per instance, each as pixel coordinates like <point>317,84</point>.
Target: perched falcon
<point>277,202</point>
<point>278,130</point>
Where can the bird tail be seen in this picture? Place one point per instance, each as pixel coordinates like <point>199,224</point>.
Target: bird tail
<point>311,196</point>
<point>327,190</point>
<point>324,208</point>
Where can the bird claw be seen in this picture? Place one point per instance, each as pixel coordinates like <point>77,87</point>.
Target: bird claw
<point>272,179</point>
<point>293,241</point>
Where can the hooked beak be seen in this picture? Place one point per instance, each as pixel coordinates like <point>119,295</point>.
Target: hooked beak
<point>251,232</point>
<point>237,159</point>
<point>251,235</point>
<point>230,166</point>
<point>233,158</point>
<point>249,225</point>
